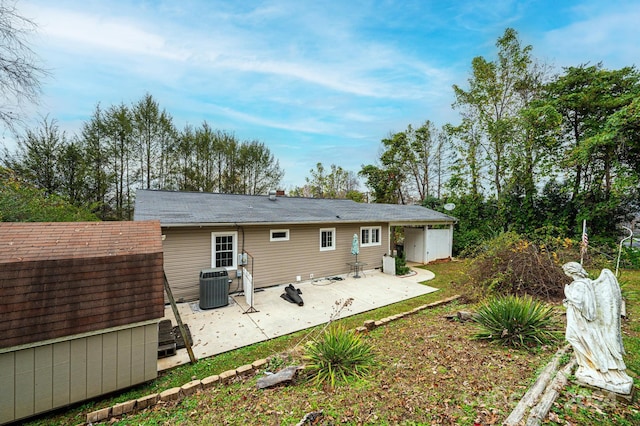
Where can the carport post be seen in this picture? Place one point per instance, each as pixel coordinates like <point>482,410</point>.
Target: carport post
<point>187,344</point>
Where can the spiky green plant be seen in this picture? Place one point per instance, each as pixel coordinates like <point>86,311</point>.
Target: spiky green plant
<point>519,322</point>
<point>337,355</point>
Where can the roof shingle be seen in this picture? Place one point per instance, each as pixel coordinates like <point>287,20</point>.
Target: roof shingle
<point>22,242</point>
<point>183,208</point>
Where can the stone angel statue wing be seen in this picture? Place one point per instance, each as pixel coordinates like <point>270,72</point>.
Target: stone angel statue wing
<point>608,306</point>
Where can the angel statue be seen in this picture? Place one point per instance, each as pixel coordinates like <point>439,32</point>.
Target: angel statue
<point>593,329</point>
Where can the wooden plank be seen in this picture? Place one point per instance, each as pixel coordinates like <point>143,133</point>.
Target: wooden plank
<point>24,380</point>
<point>176,314</point>
<point>150,351</point>
<point>78,370</point>
<point>43,378</point>
<point>137,355</point>
<point>109,362</point>
<point>124,359</point>
<point>94,366</point>
<point>61,371</point>
<point>7,396</point>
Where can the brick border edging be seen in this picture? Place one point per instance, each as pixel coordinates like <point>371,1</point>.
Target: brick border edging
<point>371,324</point>
<point>194,386</point>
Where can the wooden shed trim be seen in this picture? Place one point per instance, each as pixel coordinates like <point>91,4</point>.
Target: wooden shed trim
<point>78,336</point>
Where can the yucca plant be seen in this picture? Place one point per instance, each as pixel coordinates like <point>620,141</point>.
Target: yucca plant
<point>519,322</point>
<point>337,355</point>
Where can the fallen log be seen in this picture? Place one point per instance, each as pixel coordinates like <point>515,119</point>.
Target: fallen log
<point>461,316</point>
<point>533,394</point>
<point>285,375</point>
<point>465,316</point>
<point>540,411</point>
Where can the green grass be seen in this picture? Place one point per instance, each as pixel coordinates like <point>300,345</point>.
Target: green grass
<point>446,273</point>
<point>450,278</point>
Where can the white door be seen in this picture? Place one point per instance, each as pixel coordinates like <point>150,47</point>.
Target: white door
<point>438,244</point>
<point>414,244</point>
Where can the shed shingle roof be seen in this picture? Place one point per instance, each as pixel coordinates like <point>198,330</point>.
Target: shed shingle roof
<point>21,242</point>
<point>184,208</point>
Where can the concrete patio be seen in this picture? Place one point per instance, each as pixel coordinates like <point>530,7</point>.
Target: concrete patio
<point>223,329</point>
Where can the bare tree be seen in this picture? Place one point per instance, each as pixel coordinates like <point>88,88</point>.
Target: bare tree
<point>20,73</point>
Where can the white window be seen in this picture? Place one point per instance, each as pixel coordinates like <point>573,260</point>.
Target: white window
<point>327,239</point>
<point>370,236</point>
<point>279,235</point>
<point>224,249</point>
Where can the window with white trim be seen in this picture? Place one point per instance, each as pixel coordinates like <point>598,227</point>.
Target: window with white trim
<point>279,235</point>
<point>224,249</point>
<point>370,236</point>
<point>327,239</point>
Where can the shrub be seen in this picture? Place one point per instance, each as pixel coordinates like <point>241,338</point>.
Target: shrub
<point>630,258</point>
<point>511,264</point>
<point>338,355</point>
<point>401,265</point>
<point>519,322</point>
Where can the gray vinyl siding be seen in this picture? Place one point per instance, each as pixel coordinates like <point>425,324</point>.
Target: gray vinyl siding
<point>188,250</point>
<point>42,378</point>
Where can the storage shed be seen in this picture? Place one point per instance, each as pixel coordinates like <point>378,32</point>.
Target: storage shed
<point>80,305</point>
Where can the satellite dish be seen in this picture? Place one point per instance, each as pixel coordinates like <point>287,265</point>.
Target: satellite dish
<point>449,206</point>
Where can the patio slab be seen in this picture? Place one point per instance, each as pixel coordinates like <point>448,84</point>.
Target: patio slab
<point>219,330</point>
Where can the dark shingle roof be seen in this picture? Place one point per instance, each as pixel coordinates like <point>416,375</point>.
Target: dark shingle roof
<point>183,208</point>
<point>30,241</point>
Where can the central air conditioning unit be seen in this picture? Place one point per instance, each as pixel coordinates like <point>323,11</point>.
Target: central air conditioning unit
<point>214,288</point>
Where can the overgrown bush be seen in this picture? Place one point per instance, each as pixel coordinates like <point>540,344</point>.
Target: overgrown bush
<point>630,258</point>
<point>338,355</point>
<point>21,201</point>
<point>510,264</point>
<point>519,322</point>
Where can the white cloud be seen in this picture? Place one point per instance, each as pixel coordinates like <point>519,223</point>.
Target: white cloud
<point>308,125</point>
<point>84,31</point>
<point>606,33</point>
<point>354,66</point>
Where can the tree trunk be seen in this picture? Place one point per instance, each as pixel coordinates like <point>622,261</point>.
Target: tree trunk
<point>534,392</point>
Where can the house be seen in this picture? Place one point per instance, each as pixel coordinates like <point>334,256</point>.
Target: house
<point>80,305</point>
<point>279,240</point>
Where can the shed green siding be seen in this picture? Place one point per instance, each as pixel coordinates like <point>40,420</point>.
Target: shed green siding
<point>42,378</point>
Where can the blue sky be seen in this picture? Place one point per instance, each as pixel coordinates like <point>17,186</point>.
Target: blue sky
<point>316,81</point>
